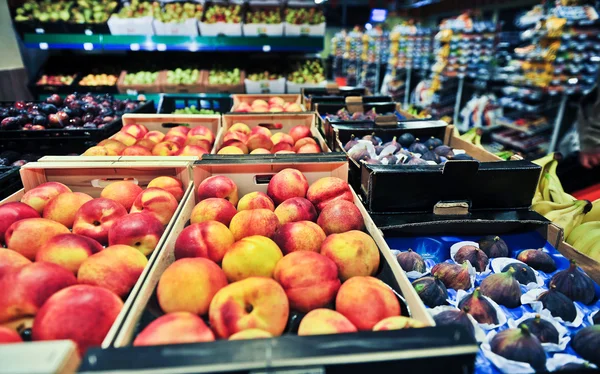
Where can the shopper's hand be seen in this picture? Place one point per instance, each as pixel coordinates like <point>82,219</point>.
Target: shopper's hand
<point>589,159</point>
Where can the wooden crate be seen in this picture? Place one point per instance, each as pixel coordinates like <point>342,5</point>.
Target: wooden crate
<point>224,88</point>
<point>588,264</point>
<point>91,179</point>
<point>196,87</point>
<point>134,89</point>
<point>249,98</point>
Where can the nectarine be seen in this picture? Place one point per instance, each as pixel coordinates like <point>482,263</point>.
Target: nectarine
<point>213,209</point>
<point>68,251</point>
<point>209,239</point>
<point>175,328</point>
<point>254,256</point>
<point>286,184</point>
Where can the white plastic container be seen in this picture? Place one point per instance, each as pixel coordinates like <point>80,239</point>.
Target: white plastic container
<point>187,28</point>
<point>275,86</point>
<point>220,28</point>
<point>131,26</point>
<point>305,30</point>
<point>263,29</point>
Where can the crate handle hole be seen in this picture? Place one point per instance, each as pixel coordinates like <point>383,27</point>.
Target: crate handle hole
<point>170,125</point>
<point>101,183</point>
<point>263,178</point>
<point>275,126</point>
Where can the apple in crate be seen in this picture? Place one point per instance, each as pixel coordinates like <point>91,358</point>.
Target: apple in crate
<point>155,136</point>
<point>296,209</point>
<point>138,230</point>
<point>213,209</point>
<point>166,148</point>
<point>253,256</point>
<point>123,192</point>
<point>169,184</point>
<point>208,239</point>
<point>218,186</point>
<point>136,150</point>
<point>324,322</point>
<point>354,252</point>
<point>9,336</point>
<point>136,130</point>
<point>175,328</point>
<point>63,207</point>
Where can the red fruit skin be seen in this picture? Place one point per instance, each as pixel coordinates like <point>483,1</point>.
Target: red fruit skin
<point>13,212</point>
<point>8,336</point>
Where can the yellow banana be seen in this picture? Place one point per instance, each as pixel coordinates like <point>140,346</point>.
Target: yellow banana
<point>546,159</point>
<point>582,230</point>
<point>555,189</point>
<point>556,214</point>
<point>544,187</point>
<point>570,218</point>
<point>594,214</point>
<point>537,197</point>
<point>545,207</point>
<point>584,243</point>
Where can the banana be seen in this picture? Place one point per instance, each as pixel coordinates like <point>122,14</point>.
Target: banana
<point>545,207</point>
<point>546,159</point>
<point>555,189</point>
<point>594,214</point>
<point>570,218</point>
<point>537,197</point>
<point>556,214</point>
<point>544,187</point>
<point>582,230</point>
<point>584,243</point>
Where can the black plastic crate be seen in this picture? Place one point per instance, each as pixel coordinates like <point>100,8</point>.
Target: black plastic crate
<point>219,103</point>
<point>10,181</point>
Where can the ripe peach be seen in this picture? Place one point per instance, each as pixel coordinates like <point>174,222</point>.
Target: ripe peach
<point>13,212</point>
<point>286,184</point>
<point>155,136</point>
<point>175,328</point>
<point>365,301</point>
<point>340,216</point>
<point>325,322</point>
<point>235,143</point>
<point>309,148</point>
<point>116,268</point>
<point>202,132</point>
<point>8,336</point>
<point>125,138</point>
<point>253,256</point>
<point>254,222</point>
<point>68,251</point>
<point>254,302</point>
<point>285,152</point>
<point>310,280</point>
<point>302,142</point>
<point>138,230</point>
<point>146,143</point>
<point>193,150</point>
<point>259,102</point>
<point>156,201</point>
<point>80,313</point>
<point>354,252</point>
<point>260,151</point>
<point>255,200</point>
<point>179,130</point>
<point>166,148</point>
<point>169,184</point>
<point>28,235</point>
<point>281,146</point>
<point>275,109</point>
<point>123,192</point>
<point>276,100</point>
<point>135,129</point>
<point>251,334</point>
<point>98,151</point>
<point>283,138</point>
<point>11,260</point>
<point>293,107</point>
<point>189,285</point>
<point>38,197</point>
<point>328,189</point>
<point>240,127</point>
<point>63,207</point>
<point>113,146</point>
<point>235,135</point>
<point>210,239</point>
<point>398,323</point>
<point>230,150</point>
<point>175,138</point>
<point>136,150</point>
<point>261,130</point>
<point>213,209</point>
<point>218,186</point>
<point>243,108</point>
<point>296,209</point>
<point>300,131</point>
<point>95,218</point>
<point>299,236</point>
<point>259,141</point>
<point>199,142</point>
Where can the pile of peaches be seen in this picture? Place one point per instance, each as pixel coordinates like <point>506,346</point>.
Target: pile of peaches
<point>136,140</point>
<point>70,259</point>
<point>275,105</point>
<point>240,139</point>
<point>245,265</point>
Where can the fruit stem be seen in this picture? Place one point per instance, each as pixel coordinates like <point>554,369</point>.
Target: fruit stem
<point>511,271</point>
<point>588,207</point>
<point>476,293</point>
<point>496,238</point>
<point>524,329</point>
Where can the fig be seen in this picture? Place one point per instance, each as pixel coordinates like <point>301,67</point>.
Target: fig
<point>542,329</point>
<point>596,318</point>
<point>573,367</point>
<point>575,284</point>
<point>523,273</point>
<point>433,142</point>
<point>372,161</point>
<point>493,246</point>
<point>378,149</point>
<point>411,261</point>
<point>431,156</point>
<point>463,157</point>
<point>586,343</point>
<point>416,161</point>
<point>359,153</point>
<point>351,143</point>
<point>474,255</point>
<point>372,138</point>
<point>431,290</point>
<point>391,159</point>
<point>503,288</point>
<point>406,139</point>
<point>519,344</point>
<point>452,275</point>
<point>418,147</point>
<point>538,259</point>
<point>454,317</point>
<point>395,143</point>
<point>558,304</point>
<point>481,309</point>
<point>444,151</point>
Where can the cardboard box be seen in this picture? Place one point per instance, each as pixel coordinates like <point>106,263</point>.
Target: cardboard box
<point>225,88</point>
<point>305,30</point>
<point>332,92</point>
<point>187,28</point>
<point>249,98</point>
<point>130,26</point>
<point>197,87</point>
<point>275,86</point>
<point>135,89</point>
<point>220,28</point>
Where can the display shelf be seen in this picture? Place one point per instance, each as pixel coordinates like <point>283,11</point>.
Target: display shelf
<point>172,43</point>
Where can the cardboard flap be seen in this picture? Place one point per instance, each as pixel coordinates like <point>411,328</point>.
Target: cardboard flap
<point>451,208</point>
<point>354,104</point>
<point>332,88</point>
<point>389,120</point>
<point>458,169</point>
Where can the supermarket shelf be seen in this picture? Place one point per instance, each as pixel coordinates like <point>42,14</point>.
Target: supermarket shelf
<point>173,43</point>
<point>525,130</point>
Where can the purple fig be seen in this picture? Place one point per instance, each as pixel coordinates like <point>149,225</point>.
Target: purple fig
<point>586,343</point>
<point>474,255</point>
<point>452,275</point>
<point>454,317</point>
<point>391,159</point>
<point>372,138</point>
<point>596,318</point>
<point>433,143</point>
<point>372,161</point>
<point>538,259</point>
<point>503,288</point>
<point>481,309</point>
<point>575,367</point>
<point>406,139</point>
<point>444,151</point>
<point>395,143</point>
<point>521,345</point>
<point>351,143</point>
<point>493,246</point>
<point>574,284</point>
<point>462,157</point>
<point>359,153</point>
<point>416,161</point>
<point>431,291</point>
<point>378,149</point>
<point>558,304</point>
<point>431,156</point>
<point>418,147</point>
<point>542,329</point>
<point>411,261</point>
<point>523,273</point>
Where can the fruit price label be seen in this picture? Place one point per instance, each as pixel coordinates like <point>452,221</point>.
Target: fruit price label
<point>262,30</point>
<point>305,30</point>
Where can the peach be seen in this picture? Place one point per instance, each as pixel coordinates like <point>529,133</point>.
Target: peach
<point>309,148</point>
<point>175,328</point>
<point>275,109</point>
<point>260,151</point>
<point>157,202</point>
<point>197,141</point>
<point>365,301</point>
<point>310,280</point>
<point>112,145</point>
<point>213,209</point>
<point>25,290</point>
<point>11,260</point>
<point>295,209</point>
<point>13,212</point>
<point>255,200</point>
<point>276,100</point>
<point>261,130</point>
<point>136,150</point>
<point>240,127</point>
<point>243,108</point>
<point>398,323</point>
<point>169,184</point>
<point>155,136</point>
<point>28,235</point>
<point>340,216</point>
<point>95,218</point>
<point>293,107</point>
<point>218,186</point>
<point>81,313</point>
<point>251,334</point>
<point>63,207</point>
<point>135,129</point>
<point>299,236</point>
<point>125,138</point>
<point>116,268</point>
<point>235,143</point>
<point>230,150</point>
<point>146,143</point>
<point>286,184</point>
<point>328,189</point>
<point>166,148</point>
<point>193,150</point>
<point>254,256</point>
<point>138,230</point>
<point>123,192</point>
<point>8,336</point>
<point>98,151</point>
<point>179,130</point>
<point>209,239</point>
<point>236,135</point>
<point>325,322</point>
<point>259,141</point>
<point>202,132</point>
<point>189,285</point>
<point>300,131</point>
<point>38,197</point>
<point>253,222</point>
<point>354,252</point>
<point>175,138</point>
<point>252,303</point>
<point>68,251</point>
<point>281,146</point>
<point>302,142</point>
<point>259,102</point>
<point>282,137</point>
<point>285,152</point>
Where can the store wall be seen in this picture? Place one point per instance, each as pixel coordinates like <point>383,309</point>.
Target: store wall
<point>13,76</point>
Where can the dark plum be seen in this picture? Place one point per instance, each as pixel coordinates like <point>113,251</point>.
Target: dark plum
<point>558,304</point>
<point>418,147</point>
<point>503,288</point>
<point>454,317</point>
<point>542,329</point>
<point>433,143</point>
<point>587,343</point>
